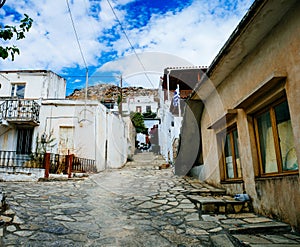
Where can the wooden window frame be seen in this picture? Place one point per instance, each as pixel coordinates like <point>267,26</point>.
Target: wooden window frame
<point>223,168</point>
<point>271,109</point>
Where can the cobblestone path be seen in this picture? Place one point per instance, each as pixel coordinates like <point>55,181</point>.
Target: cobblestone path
<point>133,206</point>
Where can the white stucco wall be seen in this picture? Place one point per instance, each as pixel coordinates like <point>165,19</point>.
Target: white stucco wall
<point>116,141</point>
<point>39,84</point>
<point>167,132</point>
<point>96,132</point>
<point>56,114</point>
<point>140,101</point>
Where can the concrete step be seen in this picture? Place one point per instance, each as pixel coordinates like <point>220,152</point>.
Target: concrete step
<point>146,160</point>
<point>219,204</point>
<point>270,227</point>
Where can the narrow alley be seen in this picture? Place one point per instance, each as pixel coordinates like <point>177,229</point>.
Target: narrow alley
<point>137,205</point>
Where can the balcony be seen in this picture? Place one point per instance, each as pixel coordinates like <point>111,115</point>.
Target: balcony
<point>20,111</point>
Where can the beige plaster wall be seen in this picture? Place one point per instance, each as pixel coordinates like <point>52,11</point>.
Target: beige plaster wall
<point>278,51</point>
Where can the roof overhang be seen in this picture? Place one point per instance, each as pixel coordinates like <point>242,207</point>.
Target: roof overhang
<point>261,18</point>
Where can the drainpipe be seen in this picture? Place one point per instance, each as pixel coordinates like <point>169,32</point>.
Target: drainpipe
<point>86,89</point>
<point>168,84</point>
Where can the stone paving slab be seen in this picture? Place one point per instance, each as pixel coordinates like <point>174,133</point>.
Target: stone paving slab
<point>126,207</point>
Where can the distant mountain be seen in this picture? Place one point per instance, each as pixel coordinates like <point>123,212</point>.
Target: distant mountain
<point>109,92</point>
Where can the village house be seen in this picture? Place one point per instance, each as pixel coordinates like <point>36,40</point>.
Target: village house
<point>242,129</point>
<point>34,112</point>
<point>140,103</point>
<point>175,86</point>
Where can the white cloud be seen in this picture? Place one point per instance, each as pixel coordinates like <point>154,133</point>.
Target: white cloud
<point>51,42</point>
<point>193,35</point>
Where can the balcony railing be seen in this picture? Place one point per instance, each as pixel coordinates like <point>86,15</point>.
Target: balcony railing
<point>20,111</point>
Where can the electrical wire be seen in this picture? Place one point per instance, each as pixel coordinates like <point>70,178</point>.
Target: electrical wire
<point>127,38</point>
<point>76,35</point>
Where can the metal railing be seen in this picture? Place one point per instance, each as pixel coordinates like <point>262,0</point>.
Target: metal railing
<point>20,109</point>
<point>13,159</point>
<point>83,165</point>
<point>58,163</point>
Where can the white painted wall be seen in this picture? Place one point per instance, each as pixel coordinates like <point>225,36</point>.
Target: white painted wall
<point>39,84</point>
<point>98,133</point>
<point>140,101</point>
<point>167,132</point>
<point>55,114</point>
<point>93,128</point>
<point>116,141</point>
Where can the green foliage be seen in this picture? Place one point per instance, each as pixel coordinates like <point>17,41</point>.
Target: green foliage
<point>37,158</point>
<point>42,145</point>
<point>8,32</point>
<point>149,114</point>
<point>137,120</point>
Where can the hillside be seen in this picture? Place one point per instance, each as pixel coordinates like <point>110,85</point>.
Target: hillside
<point>109,92</point>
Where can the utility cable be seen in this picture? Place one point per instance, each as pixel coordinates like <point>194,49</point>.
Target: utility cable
<point>75,32</point>
<point>127,38</point>
<point>86,68</point>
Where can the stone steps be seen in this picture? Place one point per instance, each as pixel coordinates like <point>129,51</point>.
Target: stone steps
<point>219,204</point>
<point>236,218</point>
<point>146,160</point>
<point>270,227</point>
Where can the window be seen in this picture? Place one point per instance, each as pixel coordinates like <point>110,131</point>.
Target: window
<point>274,134</point>
<point>230,163</point>
<point>18,90</point>
<point>148,108</point>
<point>138,109</point>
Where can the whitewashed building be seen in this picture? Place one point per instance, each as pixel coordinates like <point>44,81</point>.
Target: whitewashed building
<point>175,86</point>
<point>34,110</point>
<point>140,104</point>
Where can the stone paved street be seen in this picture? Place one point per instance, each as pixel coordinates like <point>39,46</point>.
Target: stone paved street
<point>138,205</point>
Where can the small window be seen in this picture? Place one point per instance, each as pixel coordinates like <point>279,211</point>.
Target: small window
<point>18,90</point>
<point>274,135</point>
<point>148,108</point>
<point>230,162</point>
<point>138,109</point>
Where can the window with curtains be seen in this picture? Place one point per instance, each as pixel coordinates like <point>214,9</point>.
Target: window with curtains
<point>230,161</point>
<point>275,140</point>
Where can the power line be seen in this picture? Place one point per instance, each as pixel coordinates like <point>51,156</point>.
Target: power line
<point>77,39</point>
<point>95,76</point>
<point>126,36</point>
<point>86,68</point>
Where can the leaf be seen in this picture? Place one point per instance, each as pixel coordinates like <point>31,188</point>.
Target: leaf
<point>8,32</point>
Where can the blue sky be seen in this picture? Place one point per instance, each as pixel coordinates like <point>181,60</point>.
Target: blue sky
<point>162,33</point>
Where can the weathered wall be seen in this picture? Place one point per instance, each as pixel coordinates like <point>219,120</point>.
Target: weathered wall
<point>38,84</point>
<point>279,197</point>
<point>278,51</point>
<point>57,114</point>
<point>8,138</point>
<point>190,138</point>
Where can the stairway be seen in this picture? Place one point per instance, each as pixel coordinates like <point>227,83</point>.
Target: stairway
<point>146,160</point>
<point>214,204</point>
